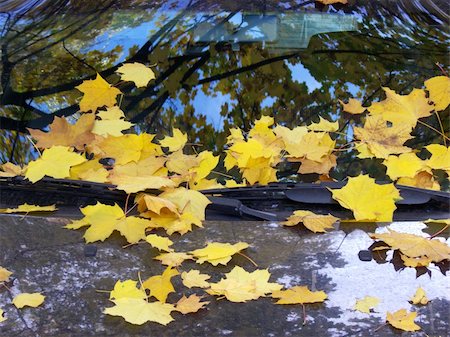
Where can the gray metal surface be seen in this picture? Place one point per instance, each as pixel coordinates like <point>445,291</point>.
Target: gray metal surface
<point>49,259</point>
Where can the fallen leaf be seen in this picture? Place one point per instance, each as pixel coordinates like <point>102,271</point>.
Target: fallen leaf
<point>404,165</point>
<point>368,200</point>
<point>159,242</point>
<point>176,142</point>
<point>137,73</point>
<point>25,208</point>
<point>127,289</point>
<point>444,221</point>
<point>323,166</point>
<point>11,170</point>
<point>367,303</point>
<point>65,134</point>
<point>299,295</point>
<point>173,258</point>
<point>4,274</point>
<point>138,311</point>
<point>381,140</point>
<point>193,278</point>
<point>440,157</point>
<point>330,2</point>
<point>2,319</point>
<point>190,304</point>
<point>55,162</point>
<point>159,285</point>
<point>134,184</point>
<point>415,246</point>
<point>439,89</point>
<point>314,222</point>
<point>28,299</point>
<point>241,286</point>
<point>402,109</point>
<point>111,113</point>
<point>353,106</point>
<point>403,320</point>
<point>420,297</point>
<point>97,93</point>
<point>324,125</point>
<point>218,253</point>
<point>111,127</point>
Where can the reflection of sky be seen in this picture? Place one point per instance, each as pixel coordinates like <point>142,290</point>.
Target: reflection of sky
<point>358,279</point>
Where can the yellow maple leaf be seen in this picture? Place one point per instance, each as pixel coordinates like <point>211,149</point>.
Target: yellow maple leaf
<point>2,319</point>
<point>178,162</point>
<point>157,205</point>
<point>422,179</point>
<point>55,162</point>
<point>137,73</point>
<point>415,246</point>
<point>444,221</point>
<point>11,170</point>
<point>439,89</point>
<point>420,297</point>
<point>111,113</point>
<point>241,286</point>
<point>122,149</point>
<point>323,166</point>
<point>366,303</point>
<point>368,200</point>
<point>324,125</point>
<point>97,93</point>
<point>353,106</point>
<point>218,253</point>
<point>103,220</point>
<point>159,285</point>
<point>187,201</point>
<point>402,109</point>
<point>440,157</point>
<point>127,289</point>
<point>176,142</point>
<point>404,165</point>
<point>299,295</point>
<point>415,262</point>
<point>316,223</point>
<point>380,139</point>
<point>139,311</point>
<point>403,320</point>
<point>111,127</point>
<point>313,146</point>
<point>159,242</point>
<point>25,208</point>
<point>65,134</point>
<point>190,304</point>
<point>193,278</point>
<point>4,274</point>
<point>28,300</point>
<point>134,184</point>
<point>207,162</point>
<point>173,258</point>
<point>90,170</point>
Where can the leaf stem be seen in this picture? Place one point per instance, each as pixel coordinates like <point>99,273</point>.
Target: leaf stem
<point>304,314</point>
<point>380,327</point>
<point>248,258</point>
<point>34,145</point>
<point>439,232</point>
<point>441,126</point>
<point>430,127</point>
<point>222,174</point>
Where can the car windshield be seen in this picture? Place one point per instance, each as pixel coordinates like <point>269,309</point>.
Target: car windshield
<point>219,64</point>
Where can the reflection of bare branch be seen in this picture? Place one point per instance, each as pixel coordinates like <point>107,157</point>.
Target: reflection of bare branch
<point>77,58</point>
<point>245,69</point>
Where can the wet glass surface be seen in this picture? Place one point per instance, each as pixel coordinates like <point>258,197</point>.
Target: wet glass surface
<point>217,64</point>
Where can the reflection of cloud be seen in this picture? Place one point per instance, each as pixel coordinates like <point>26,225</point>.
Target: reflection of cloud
<point>210,106</point>
<point>358,279</point>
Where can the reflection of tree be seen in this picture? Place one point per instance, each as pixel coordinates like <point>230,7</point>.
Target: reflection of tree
<point>47,52</point>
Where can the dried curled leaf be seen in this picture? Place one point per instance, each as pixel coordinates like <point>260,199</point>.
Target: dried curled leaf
<point>420,297</point>
<point>314,222</point>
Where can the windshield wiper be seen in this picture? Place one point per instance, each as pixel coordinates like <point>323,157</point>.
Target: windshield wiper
<point>273,202</point>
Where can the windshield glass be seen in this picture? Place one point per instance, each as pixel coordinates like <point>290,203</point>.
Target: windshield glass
<point>218,64</point>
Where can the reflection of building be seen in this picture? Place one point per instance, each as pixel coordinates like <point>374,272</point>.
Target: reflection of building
<point>282,31</point>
